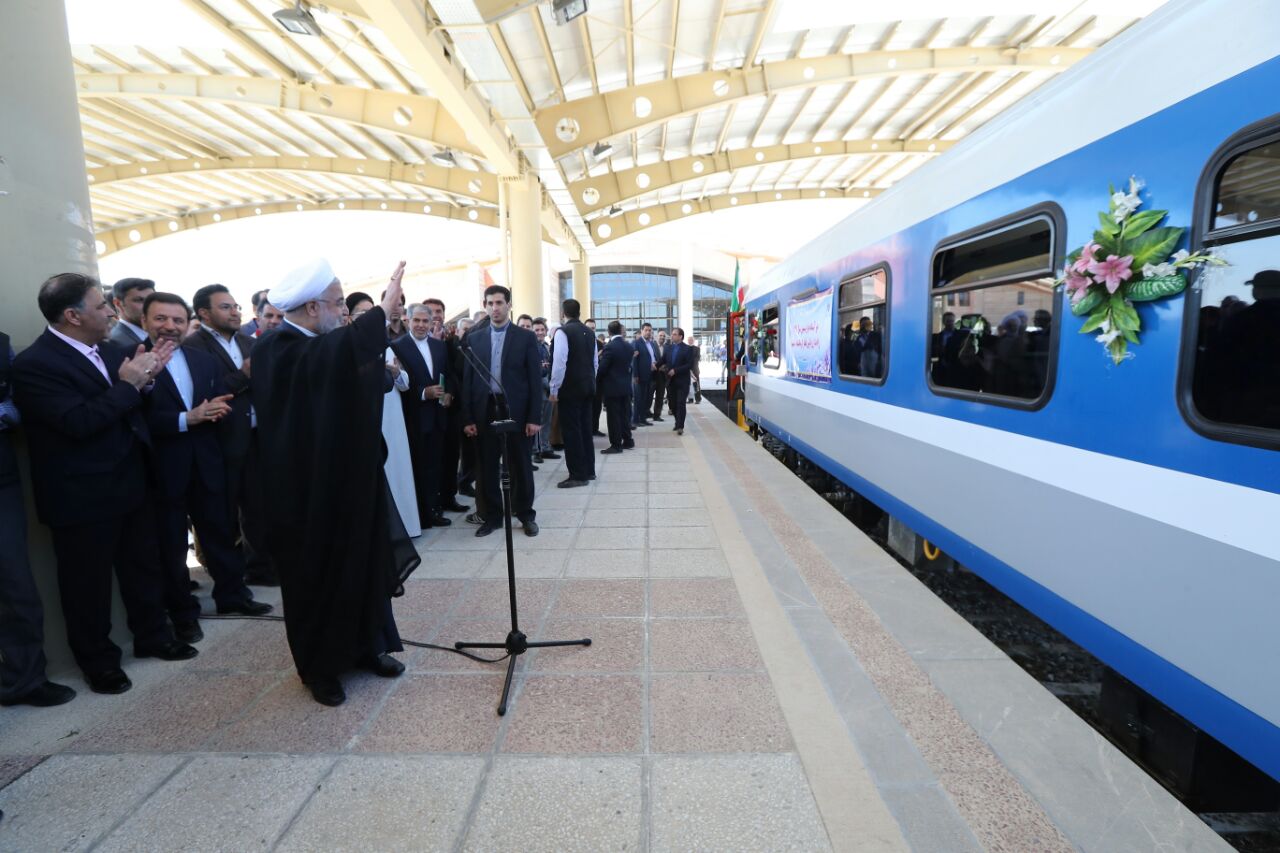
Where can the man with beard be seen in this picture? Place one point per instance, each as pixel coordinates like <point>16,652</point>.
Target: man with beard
<point>127,295</point>
<point>182,412</point>
<point>333,532</point>
<point>268,317</point>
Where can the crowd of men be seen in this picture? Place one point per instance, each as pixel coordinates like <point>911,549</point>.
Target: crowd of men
<point>151,431</point>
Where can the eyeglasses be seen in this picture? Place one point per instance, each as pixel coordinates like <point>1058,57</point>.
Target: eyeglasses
<point>226,306</point>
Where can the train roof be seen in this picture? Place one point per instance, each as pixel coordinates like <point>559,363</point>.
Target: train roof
<point>1182,48</point>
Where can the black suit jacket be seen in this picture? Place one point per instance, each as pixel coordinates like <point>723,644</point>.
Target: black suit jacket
<point>681,359</point>
<point>86,434</point>
<point>179,456</point>
<point>235,430</point>
<point>422,415</point>
<point>613,375</point>
<point>520,375</point>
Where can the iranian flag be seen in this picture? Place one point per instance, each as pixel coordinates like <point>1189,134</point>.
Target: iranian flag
<point>739,290</point>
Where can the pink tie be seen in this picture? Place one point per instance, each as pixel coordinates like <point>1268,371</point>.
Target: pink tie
<point>99,363</point>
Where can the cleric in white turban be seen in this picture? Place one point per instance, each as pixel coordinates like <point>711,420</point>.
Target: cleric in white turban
<point>332,529</point>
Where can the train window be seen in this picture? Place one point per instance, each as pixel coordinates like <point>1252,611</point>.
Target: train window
<point>770,352</point>
<point>992,323</point>
<point>863,337</point>
<point>1233,312</point>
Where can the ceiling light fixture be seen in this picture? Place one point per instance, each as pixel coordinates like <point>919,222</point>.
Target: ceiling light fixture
<point>298,20</point>
<point>565,11</point>
<point>444,157</point>
<point>615,210</point>
<point>602,151</point>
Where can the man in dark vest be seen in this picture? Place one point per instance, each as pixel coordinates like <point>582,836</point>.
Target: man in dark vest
<point>573,386</point>
<point>22,663</point>
<point>597,405</point>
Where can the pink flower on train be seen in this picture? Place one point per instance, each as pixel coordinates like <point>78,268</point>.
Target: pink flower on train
<point>1086,258</point>
<point>1077,284</point>
<point>1112,272</point>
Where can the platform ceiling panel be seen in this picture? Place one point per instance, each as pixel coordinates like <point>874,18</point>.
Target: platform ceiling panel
<point>595,75</point>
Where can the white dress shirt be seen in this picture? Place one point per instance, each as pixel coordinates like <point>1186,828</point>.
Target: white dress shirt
<point>180,373</point>
<point>560,359</point>
<point>424,347</point>
<point>232,348</point>
<point>137,330</point>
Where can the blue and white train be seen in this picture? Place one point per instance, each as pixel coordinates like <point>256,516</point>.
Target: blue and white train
<point>1133,506</point>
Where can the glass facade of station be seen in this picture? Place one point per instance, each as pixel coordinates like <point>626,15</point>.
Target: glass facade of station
<point>638,294</point>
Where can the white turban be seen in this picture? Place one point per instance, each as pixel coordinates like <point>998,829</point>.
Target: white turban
<point>302,285</point>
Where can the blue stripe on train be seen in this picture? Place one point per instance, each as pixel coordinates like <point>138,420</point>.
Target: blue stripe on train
<point>1240,729</point>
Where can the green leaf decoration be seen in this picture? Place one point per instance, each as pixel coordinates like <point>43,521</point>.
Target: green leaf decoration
<point>1108,244</point>
<point>1107,224</point>
<point>1140,223</point>
<point>1130,336</point>
<point>1149,289</point>
<point>1118,347</point>
<point>1096,319</point>
<point>1154,246</point>
<point>1091,300</point>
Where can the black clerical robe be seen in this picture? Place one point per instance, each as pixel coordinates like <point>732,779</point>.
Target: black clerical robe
<point>331,526</point>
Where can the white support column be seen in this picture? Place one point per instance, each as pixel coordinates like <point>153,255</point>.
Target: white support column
<point>524,221</point>
<point>684,290</point>
<point>45,225</point>
<point>582,285</point>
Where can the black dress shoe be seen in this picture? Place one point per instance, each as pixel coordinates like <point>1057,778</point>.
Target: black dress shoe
<point>595,433</point>
<point>469,491</point>
<point>327,691</point>
<point>557,447</point>
<point>550,455</point>
<point>45,696</point>
<point>570,483</point>
<point>680,432</point>
<point>188,632</point>
<point>628,444</point>
<point>262,579</point>
<point>474,518</point>
<point>383,666</point>
<point>656,418</point>
<point>486,528</point>
<point>591,476</point>
<point>110,681</point>
<point>168,650</point>
<point>530,528</point>
<point>438,520</point>
<point>454,506</point>
<point>613,448</point>
<point>246,608</point>
<point>646,423</point>
<point>534,467</point>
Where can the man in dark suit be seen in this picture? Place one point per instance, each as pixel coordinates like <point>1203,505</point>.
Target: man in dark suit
<point>597,405</point>
<point>127,295</point>
<point>220,337</point>
<point>182,412</point>
<point>573,388</point>
<point>426,360</point>
<point>22,661</point>
<point>942,352</point>
<point>660,376</point>
<point>452,382</point>
<point>680,364</point>
<point>82,399</point>
<point>614,382</point>
<point>503,379</point>
<point>642,379</point>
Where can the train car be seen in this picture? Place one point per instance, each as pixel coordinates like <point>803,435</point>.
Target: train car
<point>1119,477</point>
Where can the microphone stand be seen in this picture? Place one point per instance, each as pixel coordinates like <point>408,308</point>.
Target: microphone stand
<point>516,642</point>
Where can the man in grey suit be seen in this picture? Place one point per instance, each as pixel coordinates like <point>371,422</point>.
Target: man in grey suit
<point>127,295</point>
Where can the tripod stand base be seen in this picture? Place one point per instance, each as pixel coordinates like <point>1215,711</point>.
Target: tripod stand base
<point>517,644</point>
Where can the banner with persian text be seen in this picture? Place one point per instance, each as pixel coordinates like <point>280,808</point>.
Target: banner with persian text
<point>808,344</point>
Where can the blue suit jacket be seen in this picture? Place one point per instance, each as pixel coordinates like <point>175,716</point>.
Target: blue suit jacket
<point>644,363</point>
<point>614,372</point>
<point>680,359</point>
<point>520,374</point>
<point>419,415</point>
<point>86,434</point>
<point>180,456</point>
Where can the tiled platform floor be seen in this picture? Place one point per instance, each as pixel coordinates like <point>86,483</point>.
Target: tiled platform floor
<point>740,693</point>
